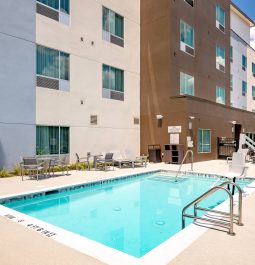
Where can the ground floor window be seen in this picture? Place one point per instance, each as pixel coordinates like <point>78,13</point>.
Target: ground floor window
<point>52,140</point>
<point>204,141</point>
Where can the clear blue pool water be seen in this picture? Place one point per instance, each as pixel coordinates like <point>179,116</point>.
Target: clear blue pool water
<point>133,216</point>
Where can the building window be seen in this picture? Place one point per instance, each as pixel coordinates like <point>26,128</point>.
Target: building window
<point>253,69</point>
<point>113,27</point>
<point>58,10</point>
<point>52,66</point>
<point>113,83</point>
<point>186,84</point>
<point>244,88</point>
<point>190,2</point>
<point>60,5</point>
<point>187,36</point>
<point>204,141</point>
<point>231,53</point>
<point>220,58</point>
<point>220,95</point>
<point>244,62</point>
<point>231,82</point>
<point>52,140</point>
<point>253,92</point>
<point>220,18</point>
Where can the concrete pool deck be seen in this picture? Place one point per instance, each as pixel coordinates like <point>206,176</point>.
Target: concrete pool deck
<point>19,245</point>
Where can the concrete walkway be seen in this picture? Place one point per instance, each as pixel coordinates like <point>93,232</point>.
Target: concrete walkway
<point>21,246</point>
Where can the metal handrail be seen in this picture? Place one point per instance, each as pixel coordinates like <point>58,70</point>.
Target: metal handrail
<point>217,221</point>
<point>240,199</point>
<point>183,160</point>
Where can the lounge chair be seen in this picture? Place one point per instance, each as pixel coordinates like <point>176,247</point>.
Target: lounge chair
<point>120,160</point>
<point>31,165</point>
<point>244,151</point>
<point>237,168</point>
<point>80,160</point>
<point>103,163</point>
<point>135,160</point>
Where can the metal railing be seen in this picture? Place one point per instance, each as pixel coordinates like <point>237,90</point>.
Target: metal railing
<point>183,160</point>
<point>225,223</point>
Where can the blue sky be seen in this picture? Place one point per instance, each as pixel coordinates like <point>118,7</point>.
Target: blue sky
<point>248,6</point>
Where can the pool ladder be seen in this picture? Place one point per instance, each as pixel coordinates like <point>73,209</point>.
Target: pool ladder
<point>216,220</point>
<point>183,160</point>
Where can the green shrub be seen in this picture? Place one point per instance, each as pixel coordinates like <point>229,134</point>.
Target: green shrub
<point>4,173</point>
<point>16,170</point>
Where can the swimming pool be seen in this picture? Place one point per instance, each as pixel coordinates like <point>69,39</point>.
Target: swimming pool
<point>133,215</point>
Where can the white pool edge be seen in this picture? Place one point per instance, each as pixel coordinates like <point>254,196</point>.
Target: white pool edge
<point>161,255</point>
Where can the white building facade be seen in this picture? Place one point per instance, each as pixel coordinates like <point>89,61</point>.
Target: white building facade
<point>86,79</point>
<point>242,61</point>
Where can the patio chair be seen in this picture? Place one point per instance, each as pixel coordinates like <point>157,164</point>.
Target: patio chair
<point>237,168</point>
<point>135,160</point>
<point>103,163</point>
<point>120,160</point>
<point>31,165</point>
<point>62,162</point>
<point>80,160</point>
<point>244,151</point>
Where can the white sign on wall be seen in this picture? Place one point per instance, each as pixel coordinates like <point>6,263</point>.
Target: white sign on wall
<point>174,138</point>
<point>174,129</point>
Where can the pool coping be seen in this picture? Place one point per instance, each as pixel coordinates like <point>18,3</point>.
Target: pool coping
<point>160,255</point>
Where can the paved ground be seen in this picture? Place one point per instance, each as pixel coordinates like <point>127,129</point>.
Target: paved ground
<point>20,246</point>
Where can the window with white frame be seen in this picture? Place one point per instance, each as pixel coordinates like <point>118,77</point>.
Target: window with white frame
<point>253,92</point>
<point>52,68</point>
<point>220,95</point>
<point>204,141</point>
<point>58,10</point>
<point>244,62</point>
<point>220,18</point>
<point>253,69</point>
<point>220,58</point>
<point>113,27</point>
<point>187,38</point>
<point>52,140</point>
<point>231,53</point>
<point>113,82</point>
<point>186,84</point>
<point>244,88</point>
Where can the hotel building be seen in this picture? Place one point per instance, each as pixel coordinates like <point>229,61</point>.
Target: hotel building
<point>185,75</point>
<point>92,76</point>
<point>70,77</point>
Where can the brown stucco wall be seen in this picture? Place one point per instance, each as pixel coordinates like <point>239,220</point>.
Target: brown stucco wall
<point>161,64</point>
<point>208,115</point>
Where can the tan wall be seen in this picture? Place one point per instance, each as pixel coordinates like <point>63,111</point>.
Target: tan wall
<point>115,129</point>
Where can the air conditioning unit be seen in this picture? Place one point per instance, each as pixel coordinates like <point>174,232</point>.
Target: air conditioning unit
<point>220,27</point>
<point>220,67</point>
<point>187,49</point>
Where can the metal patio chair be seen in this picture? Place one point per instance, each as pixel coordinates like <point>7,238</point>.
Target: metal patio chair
<point>31,164</point>
<point>103,163</point>
<point>80,160</point>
